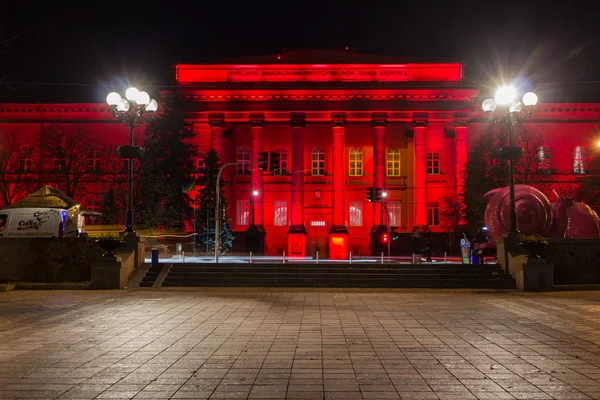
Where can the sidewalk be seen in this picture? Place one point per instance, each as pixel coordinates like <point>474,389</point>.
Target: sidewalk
<point>299,344</point>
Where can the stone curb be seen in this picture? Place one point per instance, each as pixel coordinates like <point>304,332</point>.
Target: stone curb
<point>53,286</point>
<point>565,288</point>
<point>6,287</point>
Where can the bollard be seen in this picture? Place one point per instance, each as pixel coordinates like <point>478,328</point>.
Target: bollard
<point>183,256</point>
<point>382,257</point>
<point>155,253</point>
<point>250,257</point>
<point>284,257</point>
<point>350,257</point>
<point>317,256</point>
<point>179,248</point>
<point>444,257</point>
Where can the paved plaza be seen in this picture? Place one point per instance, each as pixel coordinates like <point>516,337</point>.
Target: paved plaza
<point>299,344</point>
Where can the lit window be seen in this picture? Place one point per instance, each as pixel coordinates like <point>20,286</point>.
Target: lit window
<point>393,162</point>
<point>243,156</point>
<point>356,162</point>
<point>280,216</point>
<point>200,165</point>
<point>433,215</point>
<point>356,214</point>
<point>544,159</point>
<point>579,160</point>
<point>283,161</point>
<point>318,162</point>
<point>243,212</point>
<point>433,163</point>
<point>94,161</point>
<point>393,209</point>
<point>317,223</point>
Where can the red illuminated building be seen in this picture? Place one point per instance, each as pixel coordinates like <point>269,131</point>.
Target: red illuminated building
<point>341,122</point>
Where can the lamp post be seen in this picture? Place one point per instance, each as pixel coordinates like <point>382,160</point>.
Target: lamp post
<point>135,108</point>
<point>509,108</point>
<point>254,194</point>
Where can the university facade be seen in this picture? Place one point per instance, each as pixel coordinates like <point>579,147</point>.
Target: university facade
<point>339,127</point>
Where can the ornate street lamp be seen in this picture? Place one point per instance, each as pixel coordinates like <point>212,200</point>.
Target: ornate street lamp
<point>506,108</point>
<point>254,194</point>
<point>136,108</point>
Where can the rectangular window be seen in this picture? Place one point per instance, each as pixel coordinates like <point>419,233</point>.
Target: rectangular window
<point>356,213</point>
<point>433,163</point>
<point>200,163</point>
<point>317,223</point>
<point>393,209</point>
<point>578,160</point>
<point>56,167</point>
<point>318,164</point>
<point>243,212</point>
<point>433,215</point>
<point>283,163</point>
<point>393,162</point>
<point>281,211</point>
<point>356,162</point>
<point>94,161</point>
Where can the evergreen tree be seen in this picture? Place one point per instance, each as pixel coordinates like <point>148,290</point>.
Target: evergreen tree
<point>111,212</point>
<point>167,168</point>
<point>205,214</point>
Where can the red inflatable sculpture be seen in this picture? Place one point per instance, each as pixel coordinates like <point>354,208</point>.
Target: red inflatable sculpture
<point>537,216</point>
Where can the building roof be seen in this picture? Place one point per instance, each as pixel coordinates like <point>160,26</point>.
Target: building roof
<point>317,56</point>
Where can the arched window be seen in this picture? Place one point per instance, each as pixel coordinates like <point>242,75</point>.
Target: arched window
<point>356,161</point>
<point>579,160</point>
<point>544,159</point>
<point>392,159</point>
<point>284,157</point>
<point>243,156</point>
<point>317,158</point>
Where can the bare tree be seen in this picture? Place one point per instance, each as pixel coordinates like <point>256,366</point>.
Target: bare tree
<point>15,178</point>
<point>71,157</point>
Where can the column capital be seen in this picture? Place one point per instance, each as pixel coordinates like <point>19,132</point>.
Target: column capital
<point>338,119</point>
<point>379,119</point>
<point>257,120</point>
<point>460,119</point>
<point>420,120</point>
<point>216,120</point>
<point>298,120</point>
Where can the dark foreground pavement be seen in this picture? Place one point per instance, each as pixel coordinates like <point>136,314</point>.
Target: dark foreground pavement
<point>299,344</point>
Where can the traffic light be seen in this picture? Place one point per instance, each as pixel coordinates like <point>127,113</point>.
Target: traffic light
<point>370,193</point>
<point>263,160</point>
<point>377,194</point>
<point>274,161</point>
<point>394,233</point>
<point>384,238</point>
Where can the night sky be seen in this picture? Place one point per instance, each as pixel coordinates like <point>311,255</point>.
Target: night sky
<point>97,45</point>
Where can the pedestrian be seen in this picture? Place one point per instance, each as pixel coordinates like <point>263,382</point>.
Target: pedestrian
<point>427,248</point>
<point>416,247</point>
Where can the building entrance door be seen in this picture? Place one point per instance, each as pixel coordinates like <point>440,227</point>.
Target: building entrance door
<point>317,237</point>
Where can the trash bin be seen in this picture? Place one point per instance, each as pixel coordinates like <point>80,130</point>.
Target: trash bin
<point>155,256</point>
<point>465,251</point>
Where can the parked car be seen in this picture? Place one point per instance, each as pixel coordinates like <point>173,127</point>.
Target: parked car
<point>39,222</point>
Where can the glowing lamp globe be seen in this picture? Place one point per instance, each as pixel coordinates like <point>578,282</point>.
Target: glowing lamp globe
<point>143,98</point>
<point>113,98</point>
<point>123,106</point>
<point>383,194</point>
<point>131,94</point>
<point>488,105</point>
<point>530,99</point>
<point>255,193</point>
<point>152,105</point>
<point>515,106</point>
<point>505,95</point>
<point>598,144</point>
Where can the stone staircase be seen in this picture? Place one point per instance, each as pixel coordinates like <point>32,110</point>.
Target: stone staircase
<point>340,275</point>
<point>151,275</point>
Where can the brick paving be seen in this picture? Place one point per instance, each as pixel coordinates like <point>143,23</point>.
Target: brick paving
<point>299,344</point>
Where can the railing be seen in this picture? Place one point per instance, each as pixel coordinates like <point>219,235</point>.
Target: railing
<point>242,179</point>
<point>396,181</point>
<point>318,180</point>
<point>277,179</point>
<point>358,180</point>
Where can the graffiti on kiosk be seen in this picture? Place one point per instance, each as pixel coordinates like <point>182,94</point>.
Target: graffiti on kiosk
<point>39,218</point>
